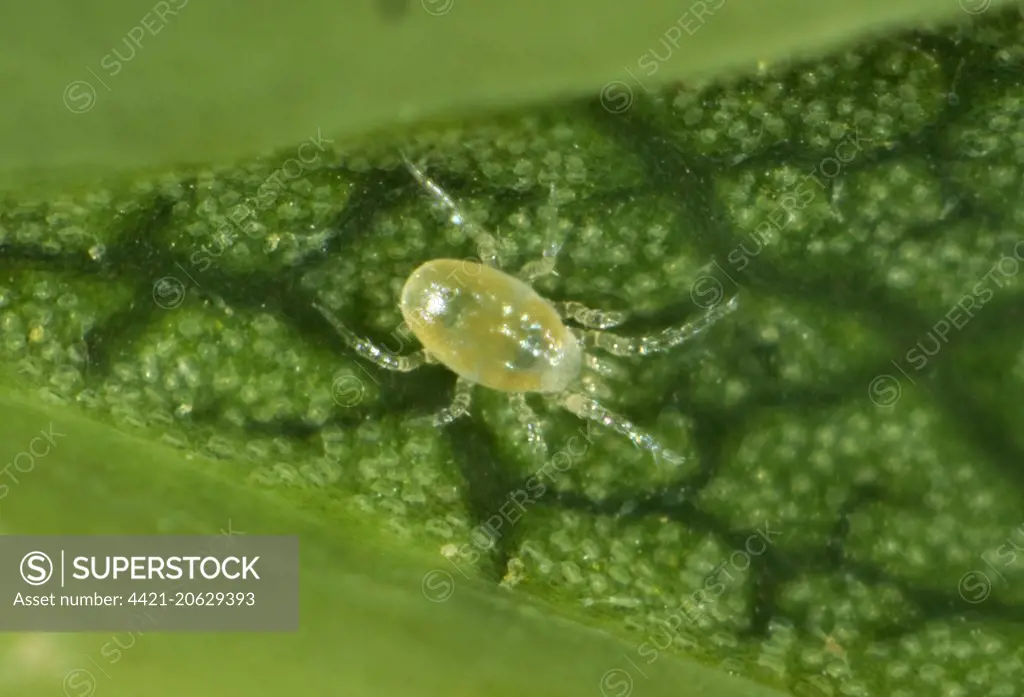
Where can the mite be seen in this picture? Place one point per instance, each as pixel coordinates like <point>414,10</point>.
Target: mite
<point>494,330</point>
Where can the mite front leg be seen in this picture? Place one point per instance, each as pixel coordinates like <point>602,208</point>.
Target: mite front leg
<point>662,341</point>
<point>554,232</point>
<point>588,317</point>
<point>586,408</point>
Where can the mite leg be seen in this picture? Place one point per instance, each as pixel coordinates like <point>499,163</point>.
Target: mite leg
<point>587,408</point>
<point>554,231</point>
<point>366,348</point>
<point>599,374</point>
<point>459,407</point>
<point>534,431</point>
<point>662,341</point>
<point>587,317</point>
<point>486,244</point>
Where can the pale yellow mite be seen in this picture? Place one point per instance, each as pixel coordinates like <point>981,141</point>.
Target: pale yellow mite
<point>492,329</point>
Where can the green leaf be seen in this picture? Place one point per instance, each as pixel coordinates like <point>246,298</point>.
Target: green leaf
<point>119,87</point>
<point>846,517</point>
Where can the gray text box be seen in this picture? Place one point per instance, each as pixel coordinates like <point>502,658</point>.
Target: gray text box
<point>163,583</point>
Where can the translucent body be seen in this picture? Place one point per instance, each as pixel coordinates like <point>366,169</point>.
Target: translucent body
<point>489,327</point>
<point>494,330</point>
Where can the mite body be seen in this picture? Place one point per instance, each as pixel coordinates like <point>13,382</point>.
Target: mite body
<point>490,328</point>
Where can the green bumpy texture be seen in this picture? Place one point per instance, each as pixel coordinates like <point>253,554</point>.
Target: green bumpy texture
<point>849,517</point>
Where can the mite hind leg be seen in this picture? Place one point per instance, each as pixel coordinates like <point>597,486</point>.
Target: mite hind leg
<point>459,407</point>
<point>486,244</point>
<point>365,348</point>
<point>528,419</point>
